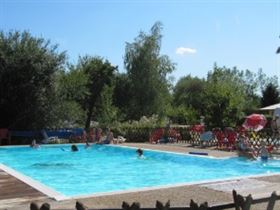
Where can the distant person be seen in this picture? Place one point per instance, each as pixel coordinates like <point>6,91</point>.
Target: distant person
<point>34,145</point>
<point>109,137</point>
<point>139,152</point>
<point>74,148</point>
<point>244,148</point>
<point>87,144</point>
<point>263,152</point>
<point>98,132</point>
<point>244,144</point>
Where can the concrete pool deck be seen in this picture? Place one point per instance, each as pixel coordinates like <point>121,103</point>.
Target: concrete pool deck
<point>212,192</point>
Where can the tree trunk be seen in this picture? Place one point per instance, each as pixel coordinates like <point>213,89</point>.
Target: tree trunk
<point>89,114</point>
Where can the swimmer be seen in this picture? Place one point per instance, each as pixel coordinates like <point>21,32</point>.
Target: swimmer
<point>87,144</point>
<point>74,148</point>
<point>139,152</point>
<point>263,152</point>
<point>34,145</point>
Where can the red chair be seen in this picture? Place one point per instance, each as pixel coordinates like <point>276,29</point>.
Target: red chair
<point>156,135</point>
<point>197,128</point>
<point>174,135</point>
<point>231,136</point>
<point>220,136</point>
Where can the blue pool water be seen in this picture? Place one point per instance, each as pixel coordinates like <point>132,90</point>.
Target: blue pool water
<point>104,168</point>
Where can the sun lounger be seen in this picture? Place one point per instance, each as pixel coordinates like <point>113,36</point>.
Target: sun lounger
<point>119,140</point>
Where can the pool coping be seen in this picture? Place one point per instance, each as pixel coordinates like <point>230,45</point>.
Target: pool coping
<point>143,189</point>
<point>34,183</point>
<point>53,194</point>
<point>176,153</point>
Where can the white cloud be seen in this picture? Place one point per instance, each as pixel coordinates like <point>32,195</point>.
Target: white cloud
<point>185,50</point>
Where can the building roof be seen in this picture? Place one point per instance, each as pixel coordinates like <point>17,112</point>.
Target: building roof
<point>271,107</point>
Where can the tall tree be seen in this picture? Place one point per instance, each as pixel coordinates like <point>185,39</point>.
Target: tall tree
<point>107,112</point>
<point>27,71</point>
<point>100,75</point>
<point>122,95</point>
<point>226,97</point>
<point>189,91</point>
<point>270,95</point>
<point>71,90</point>
<point>147,70</point>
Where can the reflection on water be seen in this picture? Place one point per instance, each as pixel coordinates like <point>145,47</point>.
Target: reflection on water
<point>52,165</point>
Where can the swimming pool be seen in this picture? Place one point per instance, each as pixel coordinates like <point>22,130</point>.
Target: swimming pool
<point>105,168</point>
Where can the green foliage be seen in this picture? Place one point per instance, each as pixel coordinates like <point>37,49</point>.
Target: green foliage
<point>70,92</point>
<point>190,93</point>
<point>147,71</point>
<point>138,131</point>
<point>101,75</point>
<point>183,115</point>
<point>225,96</point>
<point>72,85</point>
<point>68,114</point>
<point>107,113</point>
<point>27,71</point>
<point>36,90</point>
<point>122,95</point>
<point>270,95</point>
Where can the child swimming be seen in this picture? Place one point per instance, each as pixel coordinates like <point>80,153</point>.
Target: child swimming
<point>139,152</point>
<point>263,152</point>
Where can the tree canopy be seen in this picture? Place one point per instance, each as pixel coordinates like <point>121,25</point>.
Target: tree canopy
<point>27,69</point>
<point>147,71</point>
<point>270,95</point>
<point>101,76</point>
<point>38,90</point>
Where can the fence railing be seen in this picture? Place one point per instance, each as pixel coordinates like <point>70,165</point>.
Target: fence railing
<point>239,203</point>
<point>254,138</point>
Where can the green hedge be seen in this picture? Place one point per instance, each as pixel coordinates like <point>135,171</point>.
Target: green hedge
<point>142,134</point>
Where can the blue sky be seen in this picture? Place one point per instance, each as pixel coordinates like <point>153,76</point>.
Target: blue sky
<point>195,33</point>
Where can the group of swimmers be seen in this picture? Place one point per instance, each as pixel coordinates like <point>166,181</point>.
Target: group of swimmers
<point>139,151</point>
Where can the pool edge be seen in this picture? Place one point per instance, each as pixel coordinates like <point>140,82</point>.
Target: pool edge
<point>51,193</point>
<point>143,189</point>
<point>176,153</point>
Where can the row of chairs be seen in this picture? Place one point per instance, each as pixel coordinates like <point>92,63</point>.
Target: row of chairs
<point>165,135</point>
<point>223,139</point>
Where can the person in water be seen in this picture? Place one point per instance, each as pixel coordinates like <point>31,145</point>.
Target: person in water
<point>139,152</point>
<point>87,144</point>
<point>263,152</point>
<point>74,148</point>
<point>34,145</point>
<point>244,148</point>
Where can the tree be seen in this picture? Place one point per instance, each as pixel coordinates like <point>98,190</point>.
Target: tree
<point>100,75</point>
<point>71,91</point>
<point>27,80</point>
<point>107,112</point>
<point>226,97</point>
<point>147,71</point>
<point>122,95</point>
<point>270,95</point>
<point>189,92</point>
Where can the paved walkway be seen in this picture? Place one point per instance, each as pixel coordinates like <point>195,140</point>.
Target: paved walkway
<point>182,148</point>
<point>14,192</point>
